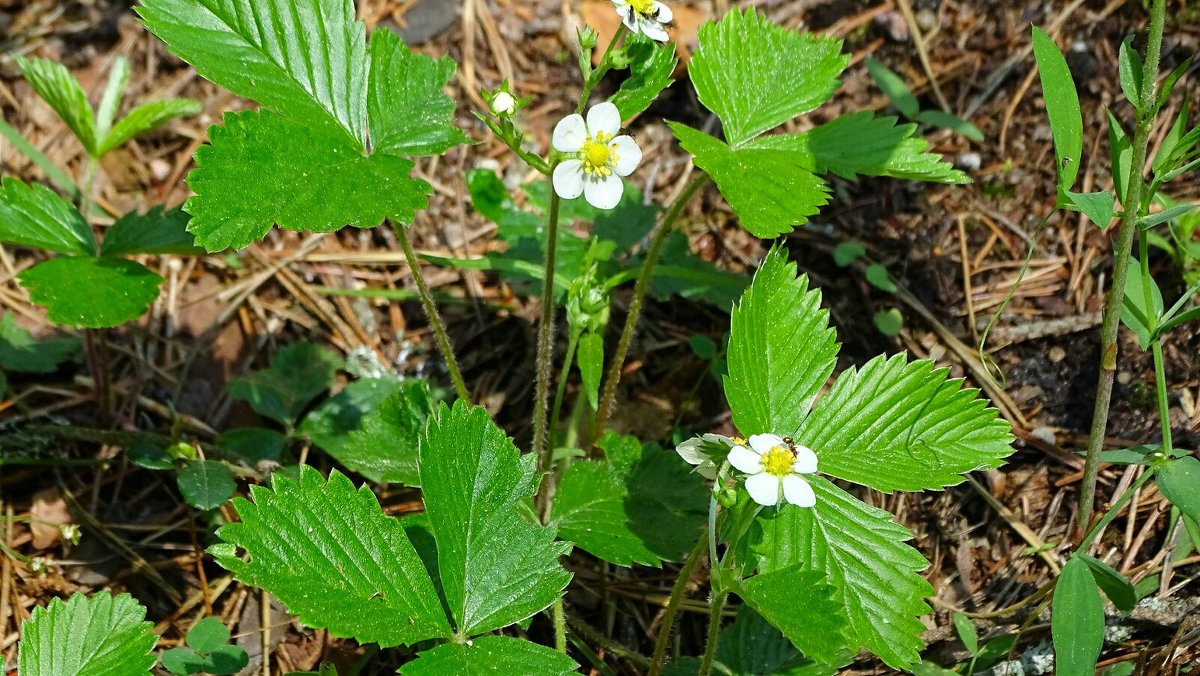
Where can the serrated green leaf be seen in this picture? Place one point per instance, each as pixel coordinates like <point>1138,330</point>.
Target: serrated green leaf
<point>943,120</point>
<point>91,292</point>
<point>751,646</point>
<point>756,75</point>
<point>590,357</point>
<point>861,143</point>
<point>33,216</point>
<point>21,352</point>
<point>771,191</point>
<point>331,422</point>
<point>1179,481</point>
<point>920,429</point>
<point>641,506</point>
<point>1099,207</point>
<point>103,634</point>
<point>384,449</point>
<point>893,86</point>
<point>206,484</point>
<point>330,554</point>
<point>302,59</point>
<point>1116,586</point>
<point>158,231</point>
<point>57,87</point>
<point>207,635</point>
<point>1062,107</point>
<point>1077,623</point>
<point>862,553</point>
<point>410,113</point>
<point>489,655</point>
<point>320,185</point>
<point>253,444</point>
<point>114,92</point>
<point>496,568</point>
<point>771,384</point>
<point>799,602</point>
<point>650,69</point>
<point>1130,67</point>
<point>296,375</point>
<point>145,119</point>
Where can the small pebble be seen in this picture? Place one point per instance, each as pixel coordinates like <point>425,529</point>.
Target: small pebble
<point>160,169</point>
<point>1045,434</point>
<point>968,161</point>
<point>1056,354</point>
<point>1124,377</point>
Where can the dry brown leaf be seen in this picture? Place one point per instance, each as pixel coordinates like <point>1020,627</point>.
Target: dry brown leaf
<point>49,511</point>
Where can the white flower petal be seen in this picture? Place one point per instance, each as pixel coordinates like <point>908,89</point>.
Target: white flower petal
<point>568,179</point>
<point>628,18</point>
<point>664,13</point>
<point>604,193</point>
<point>629,155</point>
<point>569,134</point>
<point>765,442</point>
<point>806,460</point>
<point>745,460</point>
<point>604,117</point>
<point>764,489</point>
<point>797,491</point>
<point>653,30</point>
<point>690,451</point>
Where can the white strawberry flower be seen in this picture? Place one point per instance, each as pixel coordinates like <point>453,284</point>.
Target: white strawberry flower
<point>647,17</point>
<point>598,157</point>
<point>774,466</point>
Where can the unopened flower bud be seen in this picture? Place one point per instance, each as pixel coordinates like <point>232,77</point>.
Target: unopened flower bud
<point>588,38</point>
<point>71,533</point>
<point>503,104</point>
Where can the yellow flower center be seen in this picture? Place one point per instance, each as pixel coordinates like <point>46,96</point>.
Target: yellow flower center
<point>643,7</point>
<point>599,155</point>
<point>778,461</point>
<point>740,441</point>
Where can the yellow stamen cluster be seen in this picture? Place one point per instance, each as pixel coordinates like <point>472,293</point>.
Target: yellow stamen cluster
<point>598,155</point>
<point>643,7</point>
<point>778,461</point>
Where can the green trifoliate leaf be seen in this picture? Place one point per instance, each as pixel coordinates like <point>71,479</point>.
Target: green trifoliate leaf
<point>330,554</point>
<point>55,84</point>
<point>385,448</point>
<point>320,185</point>
<point>145,119</point>
<point>93,293</point>
<point>496,567</point>
<point>640,506</point>
<point>1077,624</point>
<point>158,231</point>
<point>771,384</point>
<point>751,646</point>
<point>206,484</point>
<point>756,75</point>
<point>489,655</point>
<point>207,635</point>
<point>861,143</point>
<point>100,635</point>
<point>34,216</point>
<point>862,553</point>
<point>771,191</point>
<point>296,375</point>
<point>896,425</point>
<point>650,69</point>
<point>1062,107</point>
<point>409,110</point>
<point>305,59</point>
<point>21,352</point>
<point>799,602</point>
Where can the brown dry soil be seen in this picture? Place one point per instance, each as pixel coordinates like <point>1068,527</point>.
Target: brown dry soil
<point>956,250</point>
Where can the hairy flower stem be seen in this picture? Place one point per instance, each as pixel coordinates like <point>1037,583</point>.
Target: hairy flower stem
<point>95,340</point>
<point>598,74</point>
<point>1116,294</point>
<point>668,618</point>
<point>613,377</point>
<point>542,449</point>
<point>435,319</point>
<point>715,612</point>
<point>560,625</point>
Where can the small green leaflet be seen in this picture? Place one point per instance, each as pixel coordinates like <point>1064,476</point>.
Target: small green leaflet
<point>114,93</point>
<point>409,112</point>
<point>384,449</point>
<point>800,603</point>
<point>920,429</point>
<point>103,634</point>
<point>1077,623</point>
<point>861,552</point>
<point>861,143</point>
<point>57,87</point>
<point>21,352</point>
<point>496,567</point>
<point>306,60</point>
<point>297,374</point>
<point>1130,69</point>
<point>756,75</point>
<point>1062,107</point>
<point>91,292</point>
<point>334,558</point>
<point>590,358</point>
<point>320,185</point>
<point>158,231</point>
<point>490,655</point>
<point>146,118</point>
<point>1099,206</point>
<point>208,651</point>
<point>893,86</point>
<point>771,384</point>
<point>206,484</point>
<point>1179,481</point>
<point>771,191</point>
<point>33,216</point>
<point>944,120</point>
<point>650,69</point>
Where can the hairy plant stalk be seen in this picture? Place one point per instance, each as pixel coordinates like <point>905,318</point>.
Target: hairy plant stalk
<point>668,618</point>
<point>594,78</point>
<point>1116,294</point>
<point>435,319</point>
<point>714,627</point>
<point>613,377</point>
<point>560,625</point>
<point>542,449</point>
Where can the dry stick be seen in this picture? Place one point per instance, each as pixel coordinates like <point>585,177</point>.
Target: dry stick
<point>613,378</point>
<point>435,320</point>
<point>1116,294</point>
<point>914,28</point>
